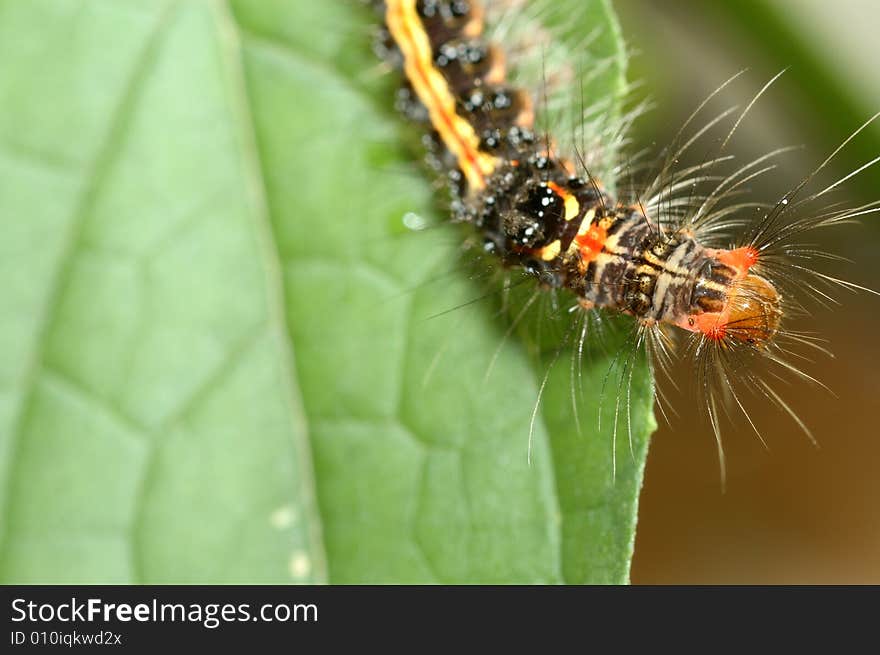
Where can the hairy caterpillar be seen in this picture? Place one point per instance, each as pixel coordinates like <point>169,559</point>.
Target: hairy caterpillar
<point>676,258</point>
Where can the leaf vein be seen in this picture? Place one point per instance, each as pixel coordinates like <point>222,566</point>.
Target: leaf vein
<point>103,162</point>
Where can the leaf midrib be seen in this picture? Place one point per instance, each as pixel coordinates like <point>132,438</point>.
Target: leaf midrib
<point>231,48</point>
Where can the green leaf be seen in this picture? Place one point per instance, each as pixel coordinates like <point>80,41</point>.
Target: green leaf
<point>218,360</point>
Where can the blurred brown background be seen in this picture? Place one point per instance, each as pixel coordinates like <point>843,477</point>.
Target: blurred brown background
<point>793,514</point>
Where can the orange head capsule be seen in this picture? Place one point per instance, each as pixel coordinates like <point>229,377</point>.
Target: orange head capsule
<point>749,313</point>
<point>730,304</point>
<point>753,311</point>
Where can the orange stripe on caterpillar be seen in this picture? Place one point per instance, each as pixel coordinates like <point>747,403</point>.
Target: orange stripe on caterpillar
<point>433,91</point>
<point>572,206</point>
<point>590,240</point>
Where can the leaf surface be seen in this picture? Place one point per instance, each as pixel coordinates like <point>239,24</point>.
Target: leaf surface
<point>219,362</point>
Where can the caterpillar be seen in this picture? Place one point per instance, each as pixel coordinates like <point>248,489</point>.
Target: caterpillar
<point>664,257</point>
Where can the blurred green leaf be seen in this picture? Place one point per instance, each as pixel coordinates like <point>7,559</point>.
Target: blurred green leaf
<point>219,362</point>
<point>152,429</point>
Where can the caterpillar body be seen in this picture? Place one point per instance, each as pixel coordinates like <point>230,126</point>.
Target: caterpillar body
<point>666,257</point>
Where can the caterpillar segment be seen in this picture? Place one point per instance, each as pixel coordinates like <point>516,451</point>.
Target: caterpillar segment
<point>533,212</point>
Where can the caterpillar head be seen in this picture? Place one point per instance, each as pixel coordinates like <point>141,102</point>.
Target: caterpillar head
<point>732,305</point>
